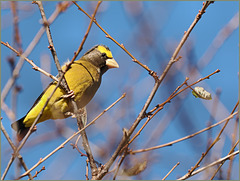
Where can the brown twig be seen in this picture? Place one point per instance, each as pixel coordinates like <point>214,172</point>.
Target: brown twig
<point>16,71</point>
<point>29,49</point>
<point>120,45</point>
<point>184,138</point>
<point>35,67</point>
<point>171,170</point>
<point>231,158</point>
<point>16,152</point>
<point>36,120</point>
<point>157,106</point>
<point>66,141</point>
<point>158,81</point>
<point>40,114</point>
<point>78,138</point>
<point>211,120</point>
<point>37,172</point>
<point>50,154</point>
<point>50,41</point>
<point>199,80</point>
<point>14,148</point>
<point>236,127</point>
<point>66,88</point>
<point>188,86</point>
<point>18,44</point>
<point>9,112</point>
<point>76,147</point>
<point>86,34</point>
<point>161,106</point>
<point>219,161</point>
<point>189,174</point>
<point>17,37</point>
<point>187,33</point>
<point>119,164</point>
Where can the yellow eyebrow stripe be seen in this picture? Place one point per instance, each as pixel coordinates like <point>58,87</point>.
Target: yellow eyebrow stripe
<point>102,49</point>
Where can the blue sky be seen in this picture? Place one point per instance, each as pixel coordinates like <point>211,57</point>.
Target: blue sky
<point>151,36</point>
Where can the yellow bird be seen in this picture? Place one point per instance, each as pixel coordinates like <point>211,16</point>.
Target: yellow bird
<point>83,78</point>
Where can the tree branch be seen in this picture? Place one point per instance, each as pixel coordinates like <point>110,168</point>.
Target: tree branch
<point>158,81</point>
<point>71,137</point>
<point>219,161</point>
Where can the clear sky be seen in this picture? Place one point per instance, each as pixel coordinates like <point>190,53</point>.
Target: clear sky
<point>150,30</point>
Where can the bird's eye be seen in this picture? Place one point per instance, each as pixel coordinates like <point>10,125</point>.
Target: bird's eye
<point>104,54</point>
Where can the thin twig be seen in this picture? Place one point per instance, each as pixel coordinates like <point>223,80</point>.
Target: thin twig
<point>35,67</point>
<point>213,143</point>
<point>158,107</point>
<point>37,172</point>
<point>120,45</point>
<point>14,148</point>
<point>158,81</point>
<point>17,37</point>
<point>233,146</point>
<point>119,164</point>
<point>233,140</point>
<point>17,43</point>
<point>66,141</point>
<point>16,71</point>
<point>86,34</point>
<point>16,152</point>
<point>161,106</point>
<point>211,119</point>
<point>184,138</point>
<point>171,170</point>
<point>66,88</point>
<point>175,94</point>
<point>10,114</point>
<point>231,158</point>
<point>210,165</point>
<point>60,8</point>
<point>143,126</point>
<point>75,146</point>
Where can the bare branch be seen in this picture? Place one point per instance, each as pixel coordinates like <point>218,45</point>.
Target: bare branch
<point>71,137</point>
<point>213,143</point>
<point>231,158</point>
<point>219,161</point>
<point>171,170</point>
<point>186,137</point>
<point>158,81</point>
<point>86,34</point>
<point>19,156</point>
<point>66,88</point>
<point>120,45</point>
<point>35,67</point>
<point>29,49</point>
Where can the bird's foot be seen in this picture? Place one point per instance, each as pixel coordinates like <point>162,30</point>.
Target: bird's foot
<point>69,94</point>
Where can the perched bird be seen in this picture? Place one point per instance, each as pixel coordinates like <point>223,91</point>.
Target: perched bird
<point>83,78</point>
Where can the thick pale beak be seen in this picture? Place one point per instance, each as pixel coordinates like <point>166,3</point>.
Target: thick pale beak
<point>111,63</point>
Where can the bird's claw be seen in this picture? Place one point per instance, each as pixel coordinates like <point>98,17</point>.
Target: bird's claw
<point>69,94</point>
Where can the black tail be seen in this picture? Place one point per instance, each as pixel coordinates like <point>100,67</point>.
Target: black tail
<point>20,128</point>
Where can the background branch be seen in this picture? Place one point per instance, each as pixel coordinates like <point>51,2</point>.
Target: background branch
<point>148,32</point>
<point>219,161</point>
<point>66,87</point>
<point>155,88</point>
